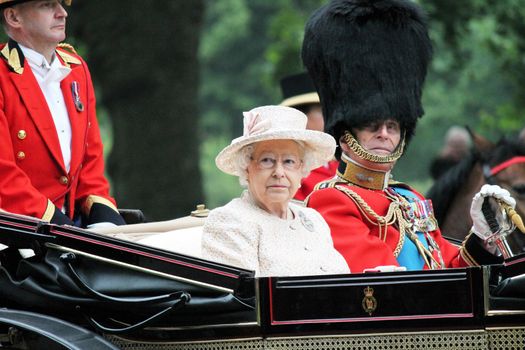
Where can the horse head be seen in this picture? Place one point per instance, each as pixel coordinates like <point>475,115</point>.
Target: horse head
<point>501,163</point>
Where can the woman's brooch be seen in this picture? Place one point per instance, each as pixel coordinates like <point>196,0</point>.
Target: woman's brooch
<point>307,223</point>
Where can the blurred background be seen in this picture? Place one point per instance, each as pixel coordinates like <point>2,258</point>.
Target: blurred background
<point>173,77</point>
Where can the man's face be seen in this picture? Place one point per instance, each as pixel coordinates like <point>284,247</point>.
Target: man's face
<point>315,118</point>
<point>41,22</point>
<point>380,138</point>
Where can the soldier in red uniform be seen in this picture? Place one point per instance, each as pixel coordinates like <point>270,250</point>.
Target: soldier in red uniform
<point>51,159</point>
<point>369,60</point>
<point>299,92</point>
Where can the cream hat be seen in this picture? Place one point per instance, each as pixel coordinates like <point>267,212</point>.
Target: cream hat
<point>277,123</point>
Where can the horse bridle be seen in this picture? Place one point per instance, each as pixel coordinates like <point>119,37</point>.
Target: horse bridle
<point>490,172</point>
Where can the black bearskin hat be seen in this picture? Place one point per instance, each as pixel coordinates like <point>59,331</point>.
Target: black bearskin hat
<point>368,60</point>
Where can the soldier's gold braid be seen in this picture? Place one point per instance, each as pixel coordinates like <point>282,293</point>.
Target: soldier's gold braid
<point>364,154</point>
<point>382,221</point>
<point>393,215</point>
<point>402,230</point>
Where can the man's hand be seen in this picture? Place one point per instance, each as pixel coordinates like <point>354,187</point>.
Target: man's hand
<point>480,226</point>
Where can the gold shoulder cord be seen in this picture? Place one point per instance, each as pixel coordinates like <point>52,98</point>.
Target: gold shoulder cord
<point>407,228</point>
<point>372,217</point>
<point>394,215</point>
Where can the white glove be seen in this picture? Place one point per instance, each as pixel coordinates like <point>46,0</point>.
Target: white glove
<point>480,226</point>
<point>385,268</point>
<point>103,224</point>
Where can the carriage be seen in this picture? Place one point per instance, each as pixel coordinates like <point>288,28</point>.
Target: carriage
<point>67,288</point>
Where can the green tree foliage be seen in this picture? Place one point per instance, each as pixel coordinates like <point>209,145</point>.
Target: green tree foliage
<point>286,32</point>
<point>492,31</point>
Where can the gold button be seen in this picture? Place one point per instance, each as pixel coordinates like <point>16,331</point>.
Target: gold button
<point>20,155</point>
<point>21,134</point>
<point>64,180</point>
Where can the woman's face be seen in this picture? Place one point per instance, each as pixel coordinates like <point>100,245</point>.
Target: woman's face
<point>379,138</point>
<point>275,172</point>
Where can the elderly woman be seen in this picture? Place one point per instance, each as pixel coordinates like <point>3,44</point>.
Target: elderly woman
<point>263,230</point>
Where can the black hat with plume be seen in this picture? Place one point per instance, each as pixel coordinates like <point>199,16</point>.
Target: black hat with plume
<point>368,60</point>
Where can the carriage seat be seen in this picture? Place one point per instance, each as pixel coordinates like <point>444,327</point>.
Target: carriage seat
<point>132,216</point>
<point>181,235</point>
<point>185,241</point>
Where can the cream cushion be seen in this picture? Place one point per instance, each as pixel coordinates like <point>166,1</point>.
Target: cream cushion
<point>182,235</point>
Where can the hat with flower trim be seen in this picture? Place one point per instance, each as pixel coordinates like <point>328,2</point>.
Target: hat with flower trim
<point>277,123</point>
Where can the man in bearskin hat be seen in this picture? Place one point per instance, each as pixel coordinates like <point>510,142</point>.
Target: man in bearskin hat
<point>51,157</point>
<point>368,60</point>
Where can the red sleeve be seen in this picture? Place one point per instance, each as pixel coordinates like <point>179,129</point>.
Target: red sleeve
<point>450,252</point>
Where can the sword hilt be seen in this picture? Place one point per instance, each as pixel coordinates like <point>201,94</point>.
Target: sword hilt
<point>512,214</point>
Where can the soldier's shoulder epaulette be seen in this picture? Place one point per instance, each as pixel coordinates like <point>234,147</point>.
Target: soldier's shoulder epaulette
<point>342,186</point>
<point>359,201</point>
<point>394,183</point>
<point>68,47</point>
<point>326,184</point>
<point>65,51</point>
<point>14,57</point>
<point>322,185</point>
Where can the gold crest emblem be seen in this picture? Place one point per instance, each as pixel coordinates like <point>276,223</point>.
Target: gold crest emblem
<point>369,303</point>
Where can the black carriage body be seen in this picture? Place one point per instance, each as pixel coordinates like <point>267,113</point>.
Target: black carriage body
<point>399,301</point>
<point>142,297</point>
<point>114,286</point>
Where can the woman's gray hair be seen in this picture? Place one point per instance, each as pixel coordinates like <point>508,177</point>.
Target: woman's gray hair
<point>244,157</point>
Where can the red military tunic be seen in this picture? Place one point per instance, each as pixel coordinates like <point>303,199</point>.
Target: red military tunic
<point>357,236</point>
<point>33,178</point>
<point>317,175</point>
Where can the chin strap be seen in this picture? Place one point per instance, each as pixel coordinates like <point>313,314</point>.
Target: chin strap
<point>364,154</point>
